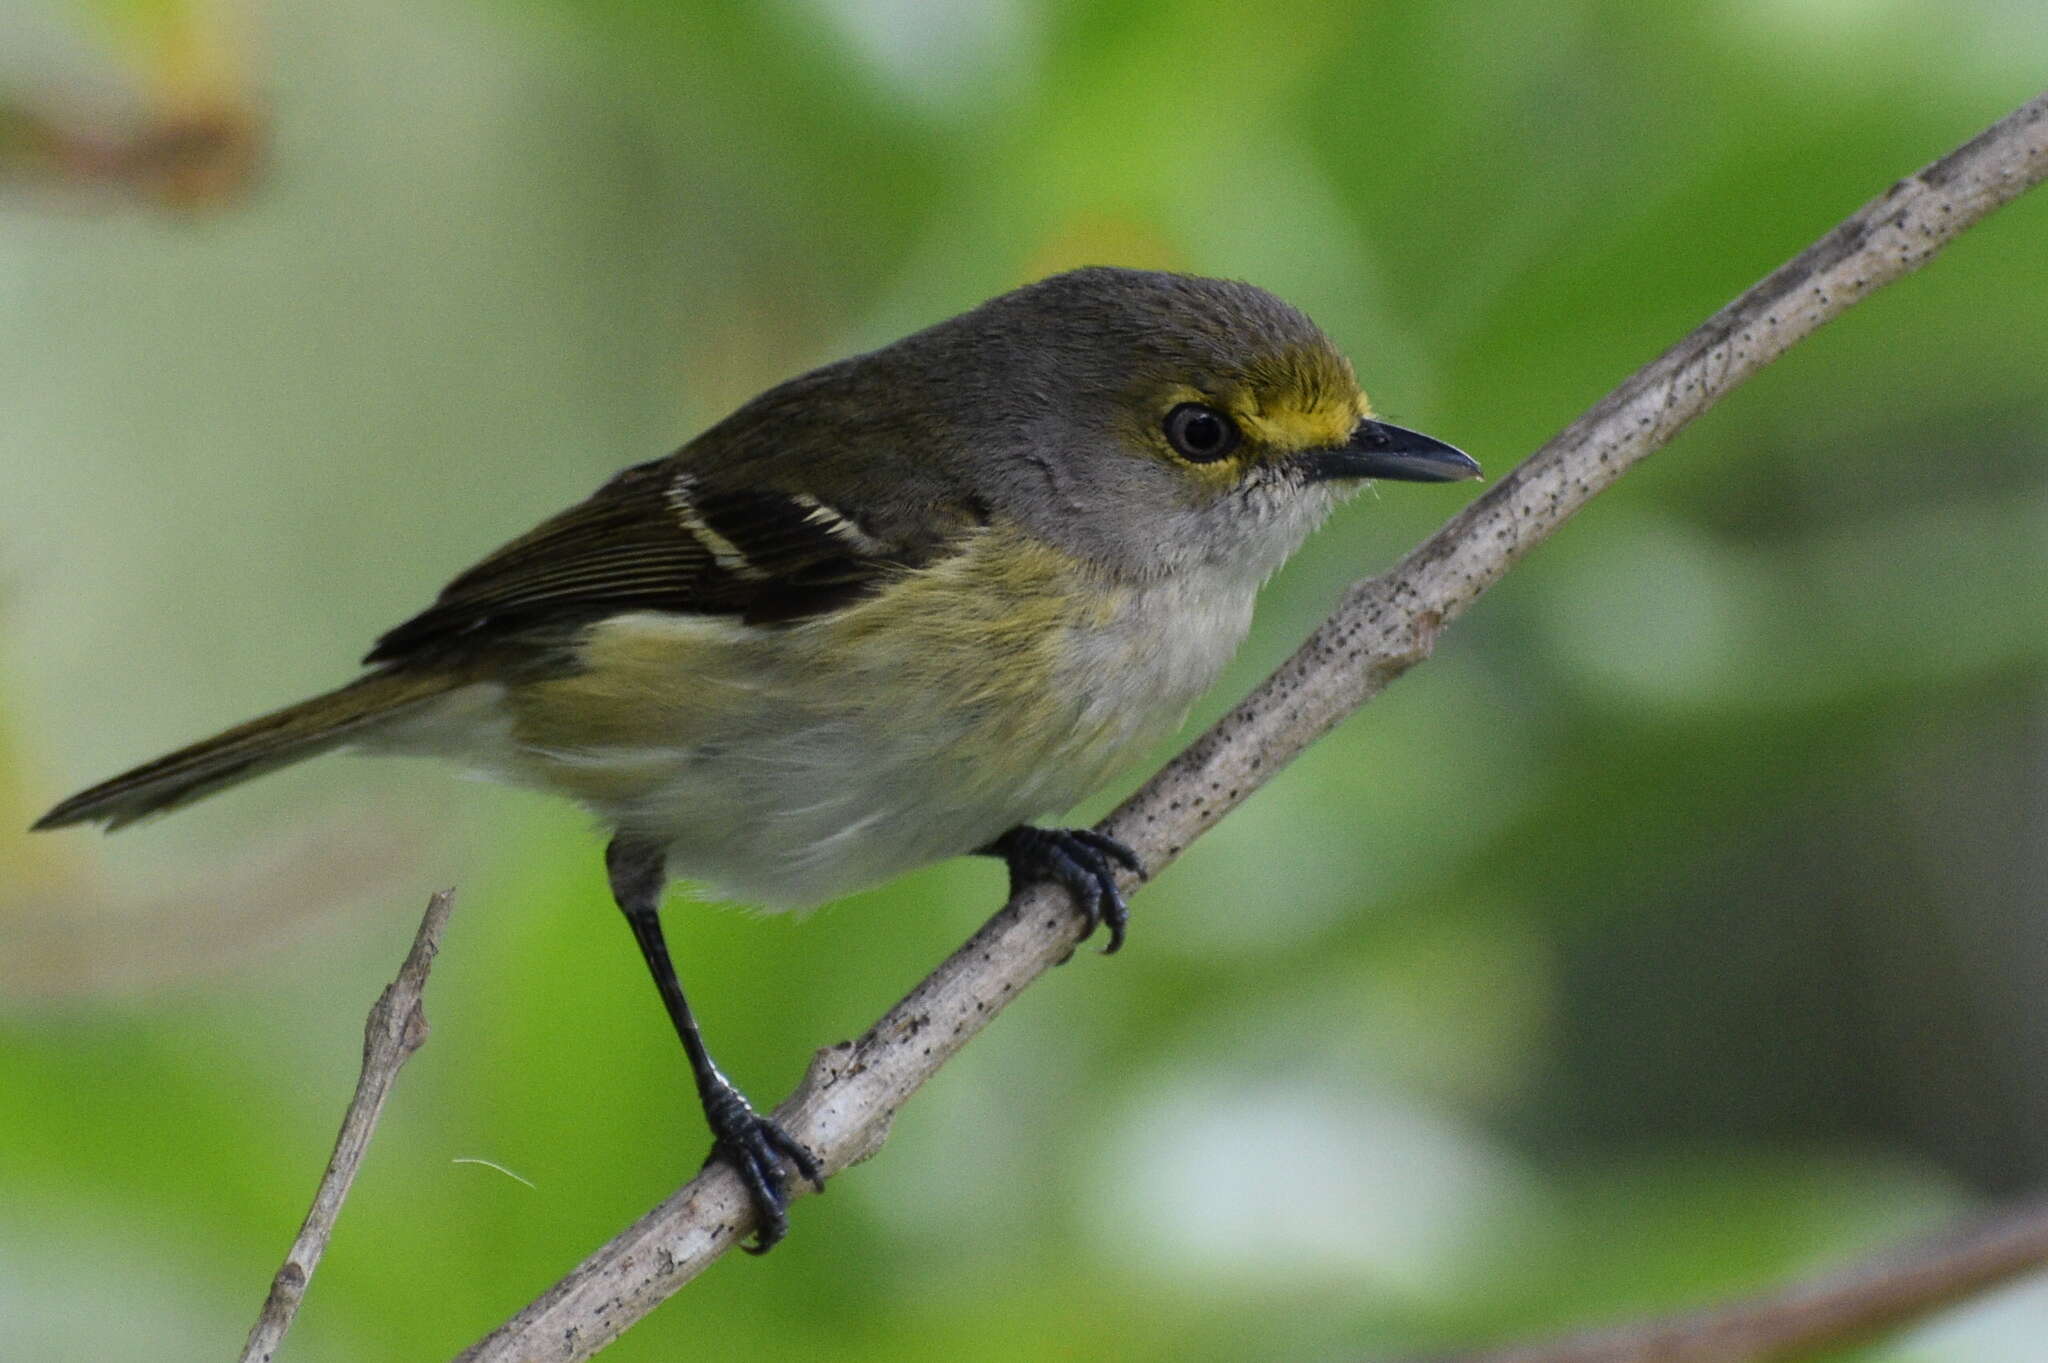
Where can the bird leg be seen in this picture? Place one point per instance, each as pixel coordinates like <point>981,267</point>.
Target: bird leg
<point>1078,859</point>
<point>755,1145</point>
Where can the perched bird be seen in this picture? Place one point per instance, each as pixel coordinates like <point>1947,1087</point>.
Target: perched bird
<point>885,613</point>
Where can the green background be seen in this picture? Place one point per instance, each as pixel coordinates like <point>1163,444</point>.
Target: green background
<point>1676,930</point>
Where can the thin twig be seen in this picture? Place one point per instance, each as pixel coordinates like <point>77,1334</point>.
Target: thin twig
<point>396,1028</point>
<point>1382,628</point>
<point>1891,1289</point>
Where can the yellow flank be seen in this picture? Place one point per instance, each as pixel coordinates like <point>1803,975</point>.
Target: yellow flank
<point>626,654</point>
<point>610,732</point>
<point>982,630</point>
<point>979,653</point>
<point>972,642</point>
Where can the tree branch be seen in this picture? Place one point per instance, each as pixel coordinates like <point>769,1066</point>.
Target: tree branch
<point>1382,628</point>
<point>395,1029</point>
<point>1891,1289</point>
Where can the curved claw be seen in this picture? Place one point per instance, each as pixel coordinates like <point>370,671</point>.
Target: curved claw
<point>756,1146</point>
<point>1080,860</point>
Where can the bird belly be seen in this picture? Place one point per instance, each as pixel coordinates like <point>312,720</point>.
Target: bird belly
<point>785,767</point>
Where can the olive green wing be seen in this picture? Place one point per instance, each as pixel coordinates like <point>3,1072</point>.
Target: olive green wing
<point>660,537</point>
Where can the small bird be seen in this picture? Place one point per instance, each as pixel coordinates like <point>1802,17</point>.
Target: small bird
<point>885,613</point>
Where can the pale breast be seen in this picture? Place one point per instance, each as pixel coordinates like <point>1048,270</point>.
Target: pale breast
<point>788,766</point>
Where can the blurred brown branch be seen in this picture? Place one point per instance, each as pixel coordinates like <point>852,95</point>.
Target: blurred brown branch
<point>189,161</point>
<point>1892,1289</point>
<point>395,1029</point>
<point>1383,627</point>
<point>177,126</point>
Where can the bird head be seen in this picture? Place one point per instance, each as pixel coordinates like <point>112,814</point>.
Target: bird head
<point>1157,422</point>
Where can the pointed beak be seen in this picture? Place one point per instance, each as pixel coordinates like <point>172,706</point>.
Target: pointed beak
<point>1377,450</point>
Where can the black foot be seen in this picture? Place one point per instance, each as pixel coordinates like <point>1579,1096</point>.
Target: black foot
<point>1079,859</point>
<point>755,1146</point>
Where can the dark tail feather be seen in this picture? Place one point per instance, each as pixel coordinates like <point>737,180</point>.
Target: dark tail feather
<point>275,740</point>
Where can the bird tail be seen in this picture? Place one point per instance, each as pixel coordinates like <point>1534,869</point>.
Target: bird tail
<point>265,743</point>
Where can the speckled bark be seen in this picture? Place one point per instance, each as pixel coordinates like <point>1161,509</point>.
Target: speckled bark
<point>1383,627</point>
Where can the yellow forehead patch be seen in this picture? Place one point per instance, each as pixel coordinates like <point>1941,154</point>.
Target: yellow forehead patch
<point>1299,399</point>
<point>1289,426</point>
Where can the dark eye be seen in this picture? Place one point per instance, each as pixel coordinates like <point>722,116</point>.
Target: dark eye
<point>1200,433</point>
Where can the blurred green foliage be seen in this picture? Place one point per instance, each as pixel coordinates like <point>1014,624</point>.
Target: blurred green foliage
<point>1677,929</point>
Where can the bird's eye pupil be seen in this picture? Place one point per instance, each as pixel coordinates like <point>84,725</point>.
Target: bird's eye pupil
<point>1200,432</point>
